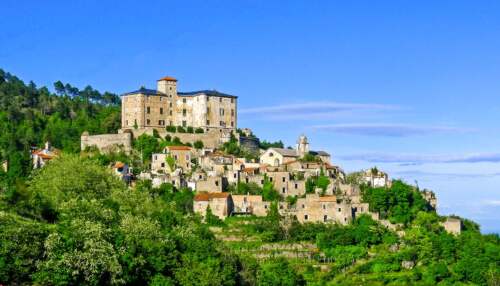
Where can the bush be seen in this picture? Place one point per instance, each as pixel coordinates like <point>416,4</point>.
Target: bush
<point>198,144</point>
<point>199,130</point>
<point>190,129</point>
<point>181,129</point>
<point>171,128</point>
<point>168,138</point>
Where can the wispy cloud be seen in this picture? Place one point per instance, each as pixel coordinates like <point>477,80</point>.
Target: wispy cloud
<point>390,130</point>
<point>315,110</point>
<point>414,159</point>
<point>448,175</point>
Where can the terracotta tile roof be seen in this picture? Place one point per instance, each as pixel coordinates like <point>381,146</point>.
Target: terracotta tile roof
<point>249,170</point>
<point>167,78</point>
<point>205,197</point>
<point>178,148</point>
<point>328,199</point>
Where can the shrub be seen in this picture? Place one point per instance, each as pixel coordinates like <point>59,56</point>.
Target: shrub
<point>190,129</point>
<point>199,130</point>
<point>198,144</point>
<point>168,138</point>
<point>171,128</point>
<point>181,129</point>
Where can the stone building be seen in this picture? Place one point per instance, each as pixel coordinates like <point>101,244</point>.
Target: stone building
<point>452,225</point>
<point>181,154</point>
<point>376,178</point>
<point>278,156</point>
<point>107,143</point>
<point>40,157</point>
<point>221,204</point>
<point>164,106</point>
<point>314,208</point>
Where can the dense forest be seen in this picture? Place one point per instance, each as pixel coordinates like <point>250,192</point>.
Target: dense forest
<point>75,223</point>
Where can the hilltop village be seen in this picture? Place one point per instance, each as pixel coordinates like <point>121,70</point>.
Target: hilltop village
<point>203,124</point>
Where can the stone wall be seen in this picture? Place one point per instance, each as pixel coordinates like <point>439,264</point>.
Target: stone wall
<point>211,139</point>
<point>107,142</point>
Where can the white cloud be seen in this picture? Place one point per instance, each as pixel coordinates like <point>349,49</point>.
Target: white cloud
<point>391,130</point>
<point>412,159</point>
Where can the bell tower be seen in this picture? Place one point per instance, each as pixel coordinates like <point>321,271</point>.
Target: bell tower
<point>168,86</point>
<point>302,146</point>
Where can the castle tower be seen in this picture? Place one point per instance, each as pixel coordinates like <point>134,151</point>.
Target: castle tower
<point>302,146</point>
<point>168,86</point>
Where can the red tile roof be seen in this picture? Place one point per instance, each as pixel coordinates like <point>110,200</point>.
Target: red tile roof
<point>203,196</point>
<point>178,148</point>
<point>328,199</point>
<point>167,78</point>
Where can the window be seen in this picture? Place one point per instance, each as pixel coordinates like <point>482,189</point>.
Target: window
<point>163,165</point>
<point>148,121</point>
<point>170,122</point>
<point>270,179</point>
<point>306,217</point>
<point>325,218</point>
<point>324,206</point>
<point>281,206</point>
<point>156,157</point>
<point>222,124</point>
<point>161,122</point>
<point>296,186</point>
<point>208,122</point>
<point>234,175</point>
<point>184,112</point>
<point>232,100</point>
<point>262,182</point>
<point>283,191</point>
<point>340,209</point>
<point>220,99</point>
<point>303,206</point>
<point>271,154</point>
<point>170,104</point>
<point>232,124</point>
<point>221,111</point>
<point>208,109</point>
<point>126,122</point>
<point>183,100</point>
<point>170,113</point>
<point>284,179</point>
<point>187,157</point>
<point>265,206</point>
<point>175,157</point>
<point>246,180</point>
<point>161,110</point>
<point>148,110</point>
<point>232,112</point>
<point>184,124</point>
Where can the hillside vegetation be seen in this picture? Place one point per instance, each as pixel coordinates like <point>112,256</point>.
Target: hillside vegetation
<point>75,223</point>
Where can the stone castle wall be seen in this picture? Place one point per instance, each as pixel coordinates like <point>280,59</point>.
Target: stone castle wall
<point>107,142</point>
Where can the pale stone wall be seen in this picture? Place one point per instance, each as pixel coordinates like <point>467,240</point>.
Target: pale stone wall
<point>245,203</point>
<point>212,138</point>
<point>453,225</point>
<point>107,142</point>
<point>314,208</point>
<point>221,207</point>
<point>159,163</point>
<point>209,184</point>
<point>272,158</point>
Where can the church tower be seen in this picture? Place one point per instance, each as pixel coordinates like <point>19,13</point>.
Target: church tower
<point>168,86</point>
<point>302,146</point>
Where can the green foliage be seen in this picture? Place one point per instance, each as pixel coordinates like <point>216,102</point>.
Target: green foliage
<point>198,144</point>
<point>181,129</point>
<point>147,145</point>
<point>199,130</point>
<point>266,145</point>
<point>211,219</point>
<point>189,129</point>
<point>310,158</point>
<point>171,128</point>
<point>268,192</point>
<point>245,188</point>
<point>314,182</point>
<point>400,203</point>
<point>171,162</point>
<point>99,232</point>
<point>277,273</point>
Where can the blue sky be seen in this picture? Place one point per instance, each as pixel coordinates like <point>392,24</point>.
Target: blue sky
<point>411,87</point>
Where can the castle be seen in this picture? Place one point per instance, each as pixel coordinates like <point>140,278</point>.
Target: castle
<point>206,115</point>
<point>165,106</point>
